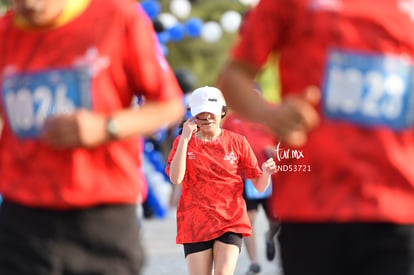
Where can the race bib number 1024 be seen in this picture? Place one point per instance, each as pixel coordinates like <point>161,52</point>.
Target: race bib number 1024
<point>29,98</point>
<point>369,90</point>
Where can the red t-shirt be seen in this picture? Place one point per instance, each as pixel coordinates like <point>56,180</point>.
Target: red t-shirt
<point>211,201</point>
<point>348,171</point>
<point>115,41</point>
<point>259,136</point>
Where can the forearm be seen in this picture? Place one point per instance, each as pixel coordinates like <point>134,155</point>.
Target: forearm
<point>178,163</point>
<point>148,118</point>
<point>236,81</point>
<point>262,182</point>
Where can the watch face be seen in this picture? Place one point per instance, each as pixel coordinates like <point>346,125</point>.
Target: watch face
<point>111,128</point>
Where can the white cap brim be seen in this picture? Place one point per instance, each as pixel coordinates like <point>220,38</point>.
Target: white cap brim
<point>213,108</point>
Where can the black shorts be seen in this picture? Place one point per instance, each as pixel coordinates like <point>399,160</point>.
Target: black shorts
<point>99,240</point>
<point>228,238</point>
<point>347,248</point>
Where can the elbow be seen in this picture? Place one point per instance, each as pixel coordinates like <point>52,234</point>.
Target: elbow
<point>176,170</point>
<point>175,179</point>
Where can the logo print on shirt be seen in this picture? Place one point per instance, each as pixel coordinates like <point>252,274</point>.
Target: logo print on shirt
<point>93,61</point>
<point>230,157</point>
<point>407,6</point>
<point>191,155</point>
<point>282,153</point>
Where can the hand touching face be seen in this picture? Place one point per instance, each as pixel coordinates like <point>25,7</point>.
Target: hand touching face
<point>189,127</point>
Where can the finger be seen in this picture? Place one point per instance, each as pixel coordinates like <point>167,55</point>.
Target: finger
<point>56,138</point>
<point>308,117</point>
<point>49,130</point>
<point>312,95</point>
<point>60,134</point>
<point>191,121</point>
<point>270,164</point>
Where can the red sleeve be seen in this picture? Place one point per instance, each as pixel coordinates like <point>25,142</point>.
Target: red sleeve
<point>150,71</point>
<point>249,167</point>
<point>262,31</point>
<point>171,155</point>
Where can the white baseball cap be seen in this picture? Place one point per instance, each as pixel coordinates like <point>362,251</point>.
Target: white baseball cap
<point>206,99</point>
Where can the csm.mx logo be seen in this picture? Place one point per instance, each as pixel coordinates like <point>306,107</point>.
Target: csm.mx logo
<point>286,154</point>
<point>282,153</point>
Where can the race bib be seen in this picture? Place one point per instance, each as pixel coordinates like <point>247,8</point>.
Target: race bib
<point>369,90</point>
<point>29,98</point>
<point>252,193</point>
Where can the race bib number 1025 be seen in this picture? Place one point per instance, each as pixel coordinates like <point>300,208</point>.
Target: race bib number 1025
<point>369,90</point>
<point>29,98</point>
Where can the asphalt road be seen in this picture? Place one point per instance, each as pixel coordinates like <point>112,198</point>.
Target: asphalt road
<point>164,256</point>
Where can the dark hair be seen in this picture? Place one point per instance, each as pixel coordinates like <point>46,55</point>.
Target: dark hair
<point>224,110</point>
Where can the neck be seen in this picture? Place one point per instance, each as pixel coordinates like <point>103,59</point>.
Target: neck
<point>208,136</point>
<point>71,9</point>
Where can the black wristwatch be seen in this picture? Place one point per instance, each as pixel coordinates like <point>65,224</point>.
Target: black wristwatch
<point>112,128</point>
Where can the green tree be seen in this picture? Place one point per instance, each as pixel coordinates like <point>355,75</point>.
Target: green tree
<point>4,4</point>
<point>202,58</point>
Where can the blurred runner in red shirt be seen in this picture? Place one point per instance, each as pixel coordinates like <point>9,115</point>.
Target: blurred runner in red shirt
<point>69,151</point>
<point>345,185</point>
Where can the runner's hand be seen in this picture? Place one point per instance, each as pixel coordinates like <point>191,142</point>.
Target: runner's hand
<point>269,166</point>
<point>189,128</point>
<point>80,129</point>
<point>296,116</point>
